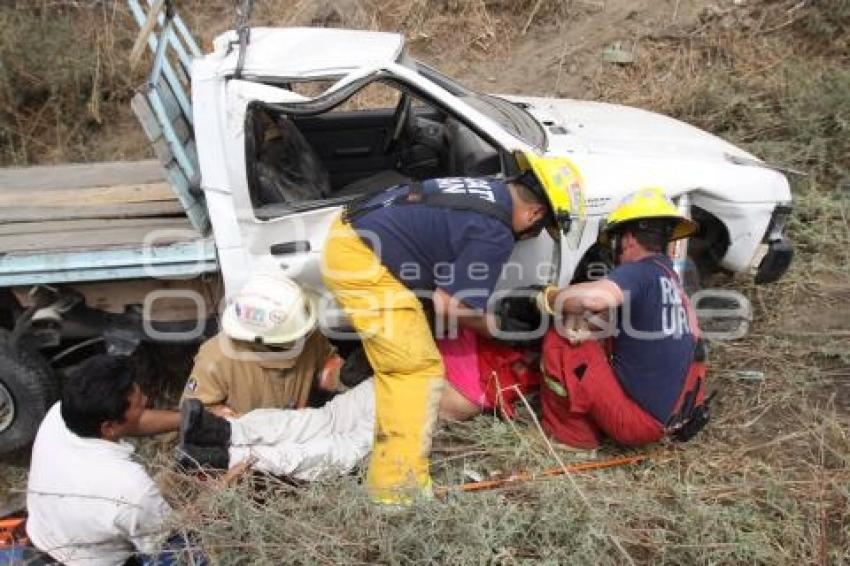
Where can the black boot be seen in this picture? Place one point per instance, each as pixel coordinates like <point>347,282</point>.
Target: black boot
<point>356,368</point>
<point>202,428</point>
<point>191,457</point>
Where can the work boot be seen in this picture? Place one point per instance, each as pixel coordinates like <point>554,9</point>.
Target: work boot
<point>192,457</point>
<point>356,368</point>
<point>202,428</point>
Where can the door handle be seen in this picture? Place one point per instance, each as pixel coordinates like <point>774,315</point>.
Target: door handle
<point>286,248</point>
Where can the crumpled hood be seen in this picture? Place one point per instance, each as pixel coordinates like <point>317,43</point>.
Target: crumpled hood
<point>598,127</point>
<point>619,149</point>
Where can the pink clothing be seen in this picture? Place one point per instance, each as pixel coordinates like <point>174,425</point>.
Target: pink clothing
<point>460,358</point>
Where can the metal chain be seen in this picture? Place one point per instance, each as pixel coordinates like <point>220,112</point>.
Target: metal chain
<point>243,31</point>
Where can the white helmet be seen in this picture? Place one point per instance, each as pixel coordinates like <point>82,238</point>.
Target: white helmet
<point>270,309</point>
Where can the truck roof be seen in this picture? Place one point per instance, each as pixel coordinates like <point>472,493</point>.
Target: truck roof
<point>307,52</point>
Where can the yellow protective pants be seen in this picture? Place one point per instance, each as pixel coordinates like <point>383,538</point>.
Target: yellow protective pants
<point>408,368</point>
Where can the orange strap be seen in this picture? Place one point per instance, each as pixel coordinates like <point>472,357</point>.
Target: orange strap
<point>551,472</point>
<point>12,532</point>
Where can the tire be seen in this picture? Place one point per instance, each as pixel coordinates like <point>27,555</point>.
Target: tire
<point>27,389</point>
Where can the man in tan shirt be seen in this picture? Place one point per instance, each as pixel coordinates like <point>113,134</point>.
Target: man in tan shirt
<point>269,353</point>
<point>255,377</point>
<point>266,359</point>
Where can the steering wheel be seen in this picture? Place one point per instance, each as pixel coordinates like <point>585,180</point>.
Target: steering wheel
<point>398,122</point>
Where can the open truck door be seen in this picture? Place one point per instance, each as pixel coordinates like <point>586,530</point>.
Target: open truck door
<point>277,184</point>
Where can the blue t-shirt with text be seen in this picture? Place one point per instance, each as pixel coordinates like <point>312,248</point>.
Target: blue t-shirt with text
<point>426,247</point>
<point>654,345</point>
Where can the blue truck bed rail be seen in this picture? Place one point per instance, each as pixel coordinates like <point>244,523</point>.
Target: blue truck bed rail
<point>164,109</point>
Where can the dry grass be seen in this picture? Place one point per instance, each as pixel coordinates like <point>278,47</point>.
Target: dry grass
<point>761,78</point>
<point>63,77</point>
<point>65,80</point>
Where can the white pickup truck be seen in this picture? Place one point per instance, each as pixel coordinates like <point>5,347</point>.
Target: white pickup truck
<point>283,127</point>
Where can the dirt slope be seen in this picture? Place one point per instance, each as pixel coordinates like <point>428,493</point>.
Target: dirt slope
<point>558,56</point>
<point>59,105</point>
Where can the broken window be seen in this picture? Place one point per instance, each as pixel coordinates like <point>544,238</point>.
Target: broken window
<point>376,137</point>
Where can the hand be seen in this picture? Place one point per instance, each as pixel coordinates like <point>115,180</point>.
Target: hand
<point>328,378</point>
<point>577,329</point>
<point>356,368</point>
<point>541,299</point>
<point>223,411</point>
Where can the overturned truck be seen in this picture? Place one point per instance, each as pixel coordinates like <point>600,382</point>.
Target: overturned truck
<point>261,142</point>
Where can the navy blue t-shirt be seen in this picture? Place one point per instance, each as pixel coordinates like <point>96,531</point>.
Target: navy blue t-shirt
<point>655,344</point>
<point>427,247</point>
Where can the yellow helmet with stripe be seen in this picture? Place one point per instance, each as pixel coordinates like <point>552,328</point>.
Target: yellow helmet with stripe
<point>561,184</point>
<point>644,204</point>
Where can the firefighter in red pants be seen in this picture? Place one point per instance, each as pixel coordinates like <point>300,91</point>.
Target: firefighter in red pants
<point>644,382</point>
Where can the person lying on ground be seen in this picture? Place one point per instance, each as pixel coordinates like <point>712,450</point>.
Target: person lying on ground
<point>303,444</point>
<point>647,381</point>
<point>486,375</point>
<point>313,443</point>
<point>89,501</point>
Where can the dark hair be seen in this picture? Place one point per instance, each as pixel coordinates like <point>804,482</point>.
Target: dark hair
<point>528,188</point>
<point>652,234</point>
<point>96,392</point>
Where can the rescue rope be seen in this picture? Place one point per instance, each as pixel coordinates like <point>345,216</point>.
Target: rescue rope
<point>548,473</point>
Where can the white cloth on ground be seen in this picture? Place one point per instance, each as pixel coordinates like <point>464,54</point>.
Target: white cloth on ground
<point>89,502</point>
<point>308,444</point>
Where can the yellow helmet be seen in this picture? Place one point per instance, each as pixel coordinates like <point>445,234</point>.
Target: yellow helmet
<point>561,184</point>
<point>643,204</point>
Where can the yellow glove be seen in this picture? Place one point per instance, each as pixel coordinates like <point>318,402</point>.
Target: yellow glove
<point>542,300</point>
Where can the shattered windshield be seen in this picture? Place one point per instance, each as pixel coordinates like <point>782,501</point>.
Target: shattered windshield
<point>511,116</point>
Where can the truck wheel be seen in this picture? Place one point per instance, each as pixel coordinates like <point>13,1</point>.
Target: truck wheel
<point>27,389</point>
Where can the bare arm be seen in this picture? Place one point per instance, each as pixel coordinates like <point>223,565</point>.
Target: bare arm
<point>156,421</point>
<point>447,307</point>
<point>593,296</point>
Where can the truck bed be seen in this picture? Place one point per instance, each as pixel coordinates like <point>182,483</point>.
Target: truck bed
<point>90,206</point>
<point>72,222</point>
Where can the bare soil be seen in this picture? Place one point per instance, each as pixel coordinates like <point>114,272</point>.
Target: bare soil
<point>544,48</point>
<point>558,56</point>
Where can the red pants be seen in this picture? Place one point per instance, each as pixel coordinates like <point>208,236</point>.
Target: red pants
<point>582,398</point>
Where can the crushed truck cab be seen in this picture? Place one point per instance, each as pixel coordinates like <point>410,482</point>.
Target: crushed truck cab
<point>369,116</point>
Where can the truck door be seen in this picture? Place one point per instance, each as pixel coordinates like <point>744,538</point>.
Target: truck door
<point>285,236</point>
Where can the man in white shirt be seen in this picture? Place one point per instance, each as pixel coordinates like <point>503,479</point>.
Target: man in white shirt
<point>89,501</point>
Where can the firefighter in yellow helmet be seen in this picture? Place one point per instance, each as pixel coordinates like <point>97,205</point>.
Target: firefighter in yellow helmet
<point>447,239</point>
<point>642,375</point>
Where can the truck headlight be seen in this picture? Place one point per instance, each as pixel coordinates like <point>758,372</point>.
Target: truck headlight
<point>778,220</point>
